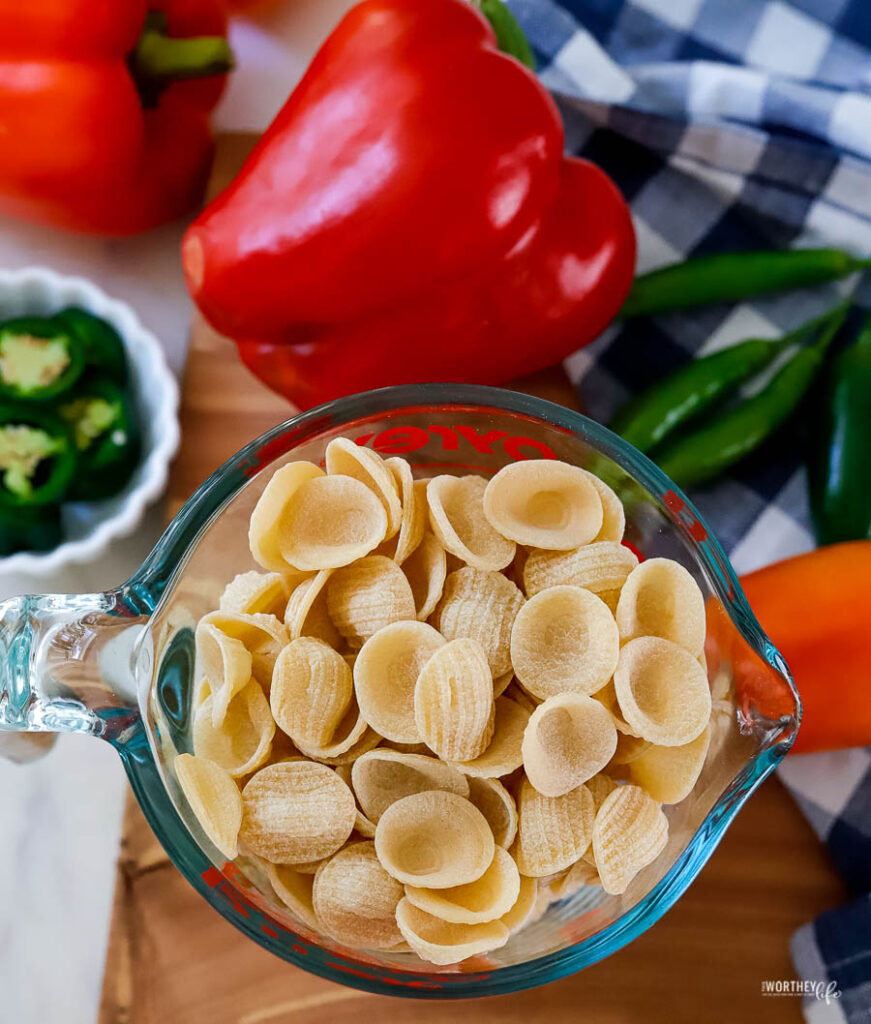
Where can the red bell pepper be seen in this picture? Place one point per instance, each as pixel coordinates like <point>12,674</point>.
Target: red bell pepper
<point>409,216</point>
<point>102,132</point>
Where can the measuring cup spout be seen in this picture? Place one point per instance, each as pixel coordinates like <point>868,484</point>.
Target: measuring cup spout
<point>65,666</point>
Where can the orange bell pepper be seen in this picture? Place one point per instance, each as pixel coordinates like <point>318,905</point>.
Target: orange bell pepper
<point>816,608</point>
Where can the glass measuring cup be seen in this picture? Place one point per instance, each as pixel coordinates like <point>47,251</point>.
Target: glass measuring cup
<point>121,666</point>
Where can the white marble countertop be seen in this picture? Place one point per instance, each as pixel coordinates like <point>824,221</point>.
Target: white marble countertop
<point>60,816</point>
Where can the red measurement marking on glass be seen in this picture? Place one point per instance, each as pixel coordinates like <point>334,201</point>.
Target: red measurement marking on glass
<point>685,517</point>
<point>633,549</point>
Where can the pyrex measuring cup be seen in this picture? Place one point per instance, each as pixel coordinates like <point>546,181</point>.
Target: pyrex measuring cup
<point>121,666</point>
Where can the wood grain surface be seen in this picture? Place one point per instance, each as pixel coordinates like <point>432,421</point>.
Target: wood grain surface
<point>173,960</point>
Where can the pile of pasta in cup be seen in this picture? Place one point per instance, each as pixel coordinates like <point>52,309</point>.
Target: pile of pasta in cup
<point>444,703</point>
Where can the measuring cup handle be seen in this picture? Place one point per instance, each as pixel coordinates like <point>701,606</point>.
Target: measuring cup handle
<point>66,666</point>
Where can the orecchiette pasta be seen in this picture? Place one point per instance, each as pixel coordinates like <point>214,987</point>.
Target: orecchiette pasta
<point>437,707</point>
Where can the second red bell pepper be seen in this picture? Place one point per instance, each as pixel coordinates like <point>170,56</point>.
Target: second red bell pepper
<point>409,216</point>
<point>102,132</point>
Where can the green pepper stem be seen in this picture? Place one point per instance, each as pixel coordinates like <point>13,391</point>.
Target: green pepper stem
<point>159,59</point>
<point>509,35</point>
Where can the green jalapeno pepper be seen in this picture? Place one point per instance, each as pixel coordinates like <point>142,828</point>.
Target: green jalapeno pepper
<point>106,436</point>
<point>34,529</point>
<point>648,419</point>
<point>839,471</point>
<point>720,443</point>
<point>39,359</point>
<point>37,456</point>
<point>102,348</point>
<point>731,276</point>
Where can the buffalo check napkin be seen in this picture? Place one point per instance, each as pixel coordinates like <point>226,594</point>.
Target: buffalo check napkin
<point>736,124</point>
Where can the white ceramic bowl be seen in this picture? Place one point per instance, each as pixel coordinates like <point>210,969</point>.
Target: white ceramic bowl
<point>89,527</point>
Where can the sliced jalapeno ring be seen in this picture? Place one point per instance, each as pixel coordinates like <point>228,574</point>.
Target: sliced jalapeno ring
<point>106,433</point>
<point>37,456</point>
<point>102,348</point>
<point>39,359</point>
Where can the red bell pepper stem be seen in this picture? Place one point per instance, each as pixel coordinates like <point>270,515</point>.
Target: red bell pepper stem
<point>160,58</point>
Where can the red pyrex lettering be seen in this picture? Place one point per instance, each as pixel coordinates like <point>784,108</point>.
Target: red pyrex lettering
<point>402,440</point>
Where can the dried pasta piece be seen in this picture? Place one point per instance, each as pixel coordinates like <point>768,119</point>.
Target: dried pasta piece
<point>329,522</point>
<point>214,799</point>
<point>226,666</point>
<point>456,515</point>
<point>346,458</point>
<point>453,701</point>
<point>524,906</point>
<point>440,942</point>
<point>202,691</point>
<point>294,888</point>
<point>629,749</point>
<point>613,514</point>
<point>497,805</point>
<point>514,691</point>
<point>600,567</point>
<point>306,612</point>
<point>385,674</point>
<point>600,786</point>
<point>426,569</point>
<point>514,572</point>
<point>660,598</point>
<point>668,774</point>
<point>629,833</point>
<point>407,748</point>
<point>296,811</point>
<point>544,503</point>
<point>607,696</point>
<point>311,692</point>
<point>576,877</point>
<point>355,899</point>
<point>564,640</point>
<point>383,776</point>
<point>262,634</point>
<point>349,734</point>
<point>309,867</point>
<point>367,596</point>
<point>552,831</point>
<point>363,826</point>
<point>501,683</point>
<point>569,738</point>
<point>243,740</point>
<point>268,518</point>
<point>504,753</point>
<point>435,840</point>
<point>367,742</point>
<point>482,606</point>
<point>662,691</point>
<point>414,510</point>
<point>486,899</point>
<point>252,592</point>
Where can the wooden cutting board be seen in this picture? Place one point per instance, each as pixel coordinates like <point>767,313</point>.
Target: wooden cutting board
<point>172,960</point>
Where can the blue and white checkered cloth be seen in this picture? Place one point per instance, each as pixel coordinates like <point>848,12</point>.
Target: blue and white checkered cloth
<point>735,124</point>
